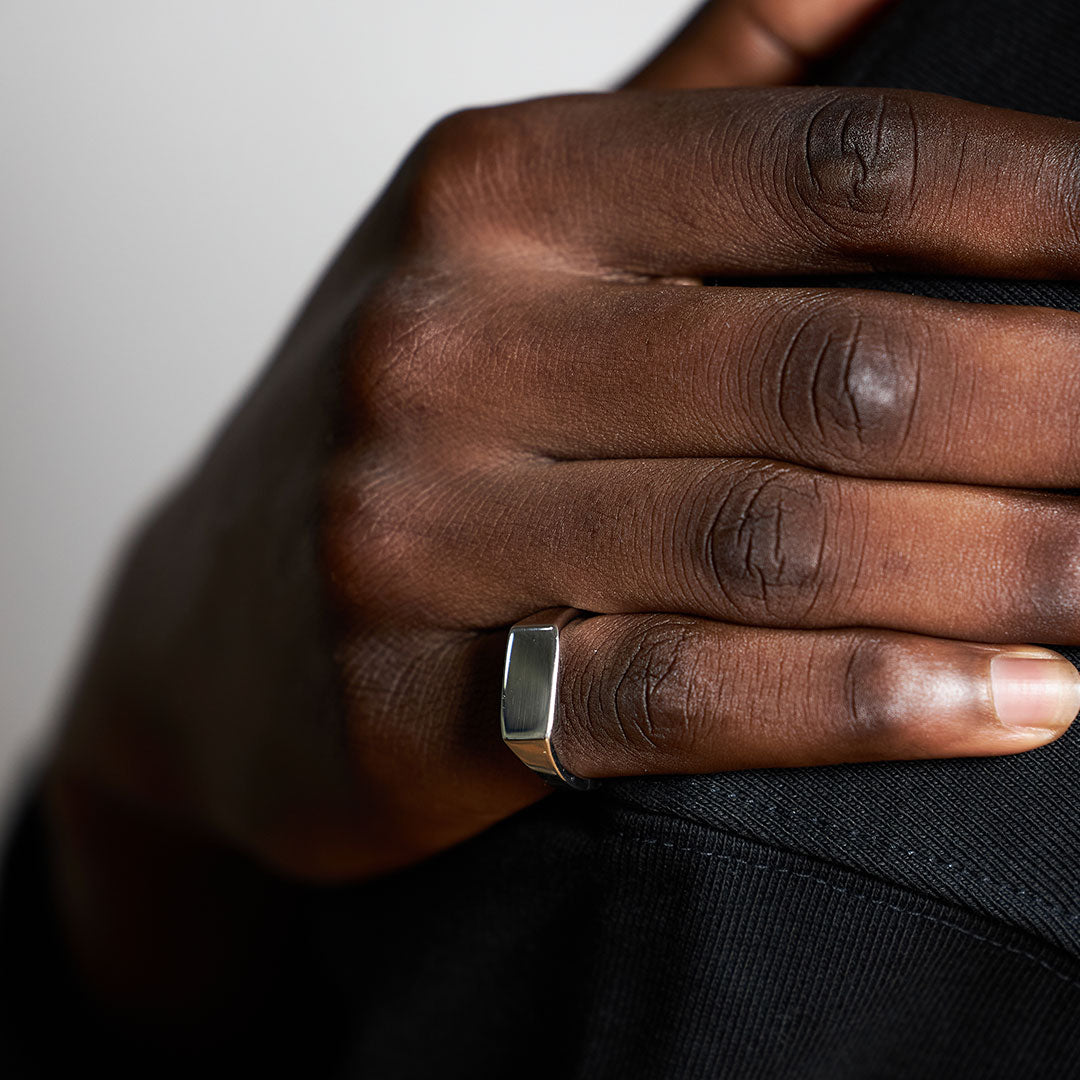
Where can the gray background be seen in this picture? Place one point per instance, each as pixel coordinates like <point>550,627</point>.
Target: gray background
<point>173,175</point>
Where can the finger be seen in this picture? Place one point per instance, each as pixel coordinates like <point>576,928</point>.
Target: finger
<point>668,694</point>
<point>856,382</point>
<point>759,182</point>
<point>742,540</point>
<point>752,42</point>
<point>643,694</point>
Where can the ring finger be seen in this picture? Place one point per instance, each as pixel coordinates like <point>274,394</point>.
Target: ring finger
<point>668,694</point>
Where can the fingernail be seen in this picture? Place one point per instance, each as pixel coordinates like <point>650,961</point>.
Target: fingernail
<point>1034,691</point>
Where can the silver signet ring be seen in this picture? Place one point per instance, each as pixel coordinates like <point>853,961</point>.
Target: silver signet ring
<point>530,695</point>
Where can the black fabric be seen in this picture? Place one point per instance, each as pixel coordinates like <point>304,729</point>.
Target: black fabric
<point>896,920</point>
<point>34,976</point>
<point>49,1027</point>
<point>605,941</point>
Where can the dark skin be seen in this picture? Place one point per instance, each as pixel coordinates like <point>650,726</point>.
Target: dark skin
<point>512,392</point>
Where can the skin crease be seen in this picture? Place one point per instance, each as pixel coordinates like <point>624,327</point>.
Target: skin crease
<point>504,396</point>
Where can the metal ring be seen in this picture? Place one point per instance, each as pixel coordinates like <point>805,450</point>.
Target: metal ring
<point>530,694</point>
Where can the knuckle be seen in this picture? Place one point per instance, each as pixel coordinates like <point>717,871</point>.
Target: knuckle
<point>639,692</point>
<point>455,174</point>
<point>456,144</point>
<point>761,542</point>
<point>847,382</point>
<point>404,338</point>
<point>371,549</point>
<point>855,165</point>
<point>433,356</point>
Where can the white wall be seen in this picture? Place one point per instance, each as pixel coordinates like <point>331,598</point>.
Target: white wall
<point>172,177</point>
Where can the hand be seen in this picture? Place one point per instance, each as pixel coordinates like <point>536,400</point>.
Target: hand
<point>793,508</point>
<point>796,512</point>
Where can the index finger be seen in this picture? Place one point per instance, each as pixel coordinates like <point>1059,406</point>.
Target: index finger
<point>774,181</point>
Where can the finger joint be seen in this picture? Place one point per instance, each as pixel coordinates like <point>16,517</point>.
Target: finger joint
<point>763,542</point>
<point>854,167</point>
<point>846,383</point>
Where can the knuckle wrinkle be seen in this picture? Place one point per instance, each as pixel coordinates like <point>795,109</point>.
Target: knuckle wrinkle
<point>855,174</point>
<point>847,383</point>
<point>764,543</point>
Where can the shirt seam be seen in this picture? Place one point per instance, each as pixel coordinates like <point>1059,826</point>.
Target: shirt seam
<point>878,840</point>
<point>954,869</point>
<point>830,861</point>
<point>1066,977</point>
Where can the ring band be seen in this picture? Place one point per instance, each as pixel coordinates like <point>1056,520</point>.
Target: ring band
<point>530,695</point>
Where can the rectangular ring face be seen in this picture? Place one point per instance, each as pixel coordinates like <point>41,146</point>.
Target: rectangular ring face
<point>528,698</point>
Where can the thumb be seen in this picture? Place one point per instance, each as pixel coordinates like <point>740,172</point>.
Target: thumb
<point>752,42</point>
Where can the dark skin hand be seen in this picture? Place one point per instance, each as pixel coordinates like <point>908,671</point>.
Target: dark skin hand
<point>511,392</point>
